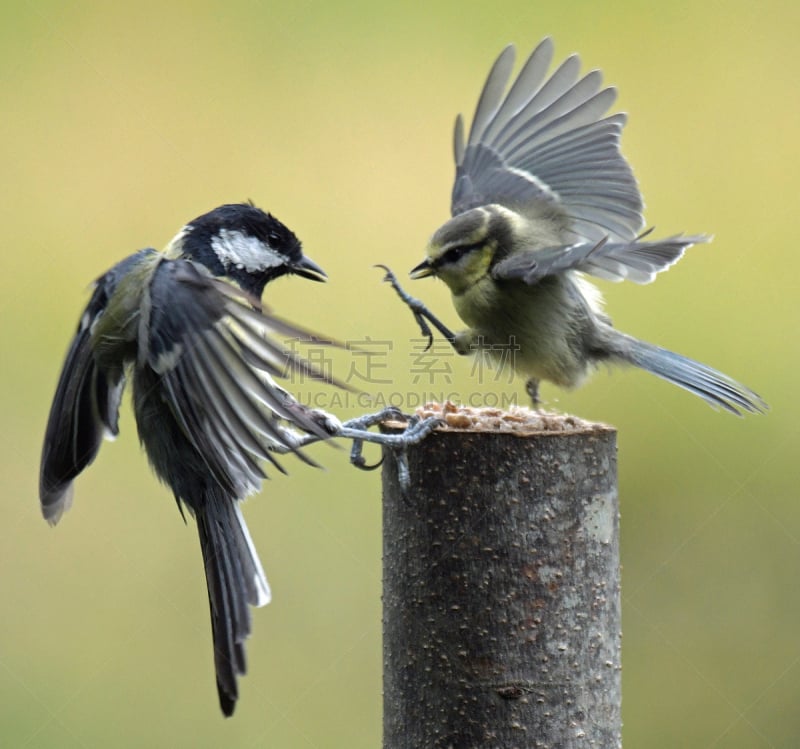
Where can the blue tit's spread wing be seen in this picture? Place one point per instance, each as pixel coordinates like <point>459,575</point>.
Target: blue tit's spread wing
<point>547,142</point>
<point>215,357</point>
<point>638,261</point>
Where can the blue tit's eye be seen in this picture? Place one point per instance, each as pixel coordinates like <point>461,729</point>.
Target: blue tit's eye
<point>454,254</point>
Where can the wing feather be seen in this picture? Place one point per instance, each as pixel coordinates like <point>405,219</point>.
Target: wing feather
<point>549,141</point>
<point>216,356</point>
<point>638,261</point>
<point>85,408</point>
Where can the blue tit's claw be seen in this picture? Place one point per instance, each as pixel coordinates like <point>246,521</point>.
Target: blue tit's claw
<point>389,276</point>
<point>422,315</point>
<point>425,329</point>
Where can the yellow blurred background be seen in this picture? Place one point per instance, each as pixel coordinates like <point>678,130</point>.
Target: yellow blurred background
<point>120,122</point>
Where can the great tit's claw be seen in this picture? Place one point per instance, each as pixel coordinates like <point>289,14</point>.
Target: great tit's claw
<point>358,430</point>
<point>360,462</point>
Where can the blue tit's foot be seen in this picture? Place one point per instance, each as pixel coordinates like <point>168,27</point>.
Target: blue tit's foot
<point>532,389</point>
<point>421,313</point>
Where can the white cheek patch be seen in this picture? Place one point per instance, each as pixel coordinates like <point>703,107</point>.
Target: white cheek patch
<point>242,251</point>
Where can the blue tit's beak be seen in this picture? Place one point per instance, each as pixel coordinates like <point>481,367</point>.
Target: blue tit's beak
<point>423,270</point>
<point>310,270</point>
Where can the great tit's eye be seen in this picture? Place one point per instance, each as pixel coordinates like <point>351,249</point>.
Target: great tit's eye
<point>454,254</point>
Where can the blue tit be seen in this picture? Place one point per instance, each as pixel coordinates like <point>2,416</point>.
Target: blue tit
<point>185,326</point>
<point>542,196</point>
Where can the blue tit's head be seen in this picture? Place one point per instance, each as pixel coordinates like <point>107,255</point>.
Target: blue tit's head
<point>242,243</point>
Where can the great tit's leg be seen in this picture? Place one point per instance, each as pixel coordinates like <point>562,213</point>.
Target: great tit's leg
<point>390,413</point>
<point>421,313</point>
<point>318,425</point>
<point>415,431</point>
<point>357,430</point>
<point>362,424</point>
<point>532,389</point>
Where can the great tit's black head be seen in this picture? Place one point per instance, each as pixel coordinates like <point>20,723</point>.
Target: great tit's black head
<point>243,243</point>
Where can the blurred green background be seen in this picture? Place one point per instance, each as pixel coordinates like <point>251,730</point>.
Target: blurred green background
<point>123,121</point>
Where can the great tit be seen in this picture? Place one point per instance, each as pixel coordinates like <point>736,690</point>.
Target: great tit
<point>186,327</point>
<point>542,194</point>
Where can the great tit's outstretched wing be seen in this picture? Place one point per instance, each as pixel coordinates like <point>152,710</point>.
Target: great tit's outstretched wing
<point>209,412</point>
<point>85,407</point>
<point>215,357</point>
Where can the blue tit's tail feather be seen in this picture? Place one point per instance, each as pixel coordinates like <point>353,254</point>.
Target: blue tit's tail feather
<point>714,387</point>
<point>235,579</point>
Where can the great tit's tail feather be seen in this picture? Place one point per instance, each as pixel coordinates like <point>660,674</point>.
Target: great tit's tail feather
<point>235,579</point>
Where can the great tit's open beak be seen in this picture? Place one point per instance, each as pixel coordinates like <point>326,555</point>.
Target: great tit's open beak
<point>309,269</point>
<point>423,270</point>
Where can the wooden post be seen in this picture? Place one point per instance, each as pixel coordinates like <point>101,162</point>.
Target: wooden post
<point>501,587</point>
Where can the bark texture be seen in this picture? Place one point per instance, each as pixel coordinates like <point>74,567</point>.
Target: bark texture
<point>501,591</point>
